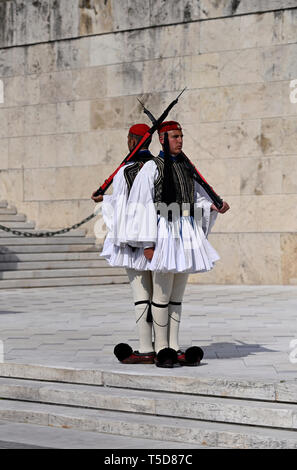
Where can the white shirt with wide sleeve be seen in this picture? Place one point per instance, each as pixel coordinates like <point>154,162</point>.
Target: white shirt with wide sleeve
<point>115,248</point>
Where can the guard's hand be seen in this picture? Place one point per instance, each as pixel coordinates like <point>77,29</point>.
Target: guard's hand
<point>149,253</point>
<point>97,198</point>
<point>225,207</point>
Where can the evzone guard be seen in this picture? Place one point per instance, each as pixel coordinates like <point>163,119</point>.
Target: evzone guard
<point>168,244</point>
<point>118,253</point>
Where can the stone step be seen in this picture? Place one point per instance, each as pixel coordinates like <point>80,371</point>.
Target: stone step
<point>214,409</point>
<point>12,218</point>
<point>29,436</point>
<point>22,226</point>
<point>8,259</point>
<point>62,282</point>
<point>73,233</point>
<point>49,248</point>
<point>48,265</point>
<point>69,259</point>
<point>162,428</point>
<point>8,210</point>
<point>278,391</point>
<point>57,240</point>
<point>43,274</point>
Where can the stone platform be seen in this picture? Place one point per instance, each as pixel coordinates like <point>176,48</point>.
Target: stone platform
<point>59,368</point>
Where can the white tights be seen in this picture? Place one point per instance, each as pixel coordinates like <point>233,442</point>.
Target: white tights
<point>168,292</point>
<point>141,284</point>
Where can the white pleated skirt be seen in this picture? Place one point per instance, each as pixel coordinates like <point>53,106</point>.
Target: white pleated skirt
<point>181,247</point>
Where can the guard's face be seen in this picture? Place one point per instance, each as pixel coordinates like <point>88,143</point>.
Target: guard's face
<point>175,139</point>
<point>131,142</point>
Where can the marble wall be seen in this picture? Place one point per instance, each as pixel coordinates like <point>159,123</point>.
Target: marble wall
<point>70,79</point>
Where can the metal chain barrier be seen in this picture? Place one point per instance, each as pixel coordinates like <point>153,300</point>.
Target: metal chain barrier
<point>47,234</point>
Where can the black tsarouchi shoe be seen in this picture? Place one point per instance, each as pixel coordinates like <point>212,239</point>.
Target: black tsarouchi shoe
<point>191,357</point>
<point>125,354</point>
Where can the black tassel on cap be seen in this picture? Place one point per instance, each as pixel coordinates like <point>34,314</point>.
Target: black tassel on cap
<point>168,188</point>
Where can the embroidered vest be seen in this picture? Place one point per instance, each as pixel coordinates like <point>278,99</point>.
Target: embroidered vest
<point>182,178</point>
<point>131,171</point>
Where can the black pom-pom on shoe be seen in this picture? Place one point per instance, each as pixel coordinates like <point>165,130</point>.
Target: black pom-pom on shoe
<point>122,351</point>
<point>193,356</point>
<point>166,358</point>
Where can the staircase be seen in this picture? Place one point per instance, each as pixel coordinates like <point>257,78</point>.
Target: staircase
<point>210,412</point>
<point>65,260</point>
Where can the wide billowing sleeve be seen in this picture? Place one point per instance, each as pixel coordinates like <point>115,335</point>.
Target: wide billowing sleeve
<point>203,201</point>
<point>114,210</point>
<point>141,223</point>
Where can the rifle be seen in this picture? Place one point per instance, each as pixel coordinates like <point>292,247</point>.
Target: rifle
<point>138,146</point>
<point>216,199</point>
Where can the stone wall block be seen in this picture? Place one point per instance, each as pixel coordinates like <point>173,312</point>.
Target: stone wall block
<point>271,136</point>
<point>240,67</point>
<point>38,14</point>
<point>289,174</point>
<point>220,35</point>
<point>24,152</point>
<point>7,25</point>
<point>260,30</point>
<point>289,29</point>
<point>114,147</point>
<point>11,185</point>
<point>64,21</point>
<point>259,258</point>
<point>89,83</point>
<point>278,136</point>
<point>66,117</point>
<point>261,100</point>
<point>90,148</point>
<point>80,52</point>
<point>261,176</point>
<point>238,138</point>
<point>58,214</point>
<point>108,49</point>
<point>132,14</point>
<point>222,103</point>
<point>163,12</point>
<point>40,58</point>
<point>40,184</point>
<point>224,176</point>
<point>64,183</point>
<point>3,122</point>
<point>48,151</point>
<point>22,90</point>
<point>40,119</point>
<point>72,116</point>
<point>95,17</point>
<point>12,61</point>
<point>205,70</point>
<point>125,79</point>
<point>3,154</point>
<point>15,121</point>
<point>165,75</point>
<point>107,114</point>
<point>288,244</point>
<point>278,213</point>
